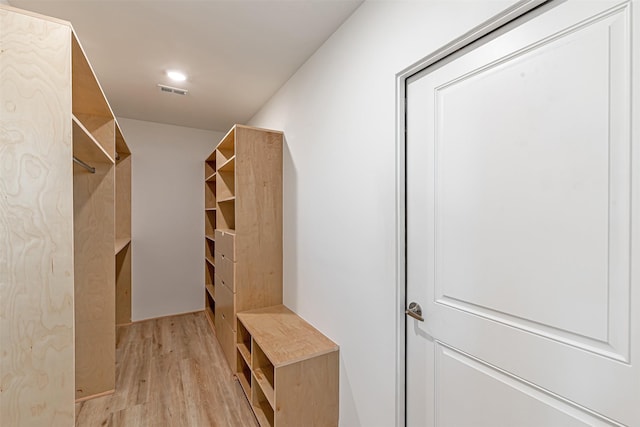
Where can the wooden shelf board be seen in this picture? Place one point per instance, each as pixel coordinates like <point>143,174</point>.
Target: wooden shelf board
<point>226,230</point>
<point>211,290</point>
<point>267,388</point>
<point>274,328</point>
<point>87,94</point>
<point>260,415</point>
<point>227,199</point>
<point>278,132</point>
<point>244,384</point>
<point>209,209</point>
<point>210,318</point>
<point>121,145</point>
<point>121,243</point>
<point>227,140</point>
<point>229,165</point>
<point>245,353</point>
<point>211,177</point>
<point>210,260</point>
<point>210,237</point>
<point>85,146</point>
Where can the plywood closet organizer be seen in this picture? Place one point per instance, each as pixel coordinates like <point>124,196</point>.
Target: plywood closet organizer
<point>243,228</point>
<point>65,224</point>
<point>287,369</point>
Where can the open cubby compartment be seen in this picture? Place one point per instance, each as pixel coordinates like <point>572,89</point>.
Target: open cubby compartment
<point>263,372</point>
<point>244,374</point>
<point>123,191</point>
<point>210,195</point>
<point>123,286</point>
<point>86,148</point>
<point>94,269</point>
<point>225,185</point>
<point>210,223</point>
<point>89,104</point>
<point>209,272</point>
<point>226,215</point>
<point>244,343</point>
<point>122,150</point>
<point>210,167</point>
<point>261,407</point>
<point>210,307</point>
<point>209,251</point>
<point>226,149</point>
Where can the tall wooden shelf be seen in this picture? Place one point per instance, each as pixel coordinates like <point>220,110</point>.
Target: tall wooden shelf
<point>64,226</point>
<point>243,228</point>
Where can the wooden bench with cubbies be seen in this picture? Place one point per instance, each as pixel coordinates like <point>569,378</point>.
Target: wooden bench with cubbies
<point>288,370</point>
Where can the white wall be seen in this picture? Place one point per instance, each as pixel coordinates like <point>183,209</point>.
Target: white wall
<point>167,222</point>
<point>338,115</point>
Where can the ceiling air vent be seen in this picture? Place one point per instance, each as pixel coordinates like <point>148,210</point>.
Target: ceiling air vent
<point>169,89</point>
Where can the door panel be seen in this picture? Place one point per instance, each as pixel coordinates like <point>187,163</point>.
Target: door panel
<point>468,388</point>
<point>519,226</point>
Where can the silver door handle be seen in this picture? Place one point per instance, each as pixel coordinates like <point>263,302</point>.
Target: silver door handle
<point>415,311</point>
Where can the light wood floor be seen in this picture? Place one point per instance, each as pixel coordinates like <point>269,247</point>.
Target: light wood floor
<point>170,372</point>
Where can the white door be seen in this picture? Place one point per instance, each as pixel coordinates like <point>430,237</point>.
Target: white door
<point>523,225</point>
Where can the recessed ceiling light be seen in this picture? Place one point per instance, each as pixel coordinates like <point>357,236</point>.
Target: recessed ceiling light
<point>176,76</point>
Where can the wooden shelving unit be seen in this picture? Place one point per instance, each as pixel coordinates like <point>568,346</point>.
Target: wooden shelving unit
<point>288,370</point>
<point>243,228</point>
<point>69,159</point>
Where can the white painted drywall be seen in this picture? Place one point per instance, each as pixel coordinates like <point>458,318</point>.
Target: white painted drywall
<point>167,218</point>
<point>338,116</point>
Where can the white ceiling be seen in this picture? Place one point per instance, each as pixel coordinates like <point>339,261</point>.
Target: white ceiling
<point>236,53</point>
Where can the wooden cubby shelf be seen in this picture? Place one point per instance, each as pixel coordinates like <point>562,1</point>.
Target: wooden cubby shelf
<point>121,243</point>
<point>85,146</point>
<point>294,368</point>
<point>228,166</point>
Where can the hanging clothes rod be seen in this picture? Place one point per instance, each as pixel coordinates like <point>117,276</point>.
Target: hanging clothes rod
<point>84,165</point>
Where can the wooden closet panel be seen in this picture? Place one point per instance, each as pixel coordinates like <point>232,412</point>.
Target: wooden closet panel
<point>123,198</point>
<point>258,213</point>
<point>123,286</point>
<point>94,232</point>
<point>36,222</point>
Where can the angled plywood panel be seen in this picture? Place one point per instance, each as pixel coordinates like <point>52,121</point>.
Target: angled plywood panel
<point>36,222</point>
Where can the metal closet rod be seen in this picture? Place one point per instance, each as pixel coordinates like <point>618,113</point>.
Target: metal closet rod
<point>84,165</point>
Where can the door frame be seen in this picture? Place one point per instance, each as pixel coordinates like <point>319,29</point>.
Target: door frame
<point>493,24</point>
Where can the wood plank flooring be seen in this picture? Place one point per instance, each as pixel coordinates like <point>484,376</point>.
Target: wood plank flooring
<point>169,372</point>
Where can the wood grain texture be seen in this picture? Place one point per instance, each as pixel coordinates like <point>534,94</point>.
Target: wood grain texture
<point>275,328</point>
<point>210,194</point>
<point>86,147</point>
<point>170,372</point>
<point>123,286</point>
<point>36,229</point>
<point>94,235</point>
<point>121,145</point>
<point>103,129</point>
<point>225,336</point>
<point>248,231</point>
<point>123,197</point>
<point>225,243</point>
<point>225,304</point>
<point>307,392</point>
<point>294,369</point>
<point>88,97</point>
<point>258,218</point>
<point>226,269</point>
